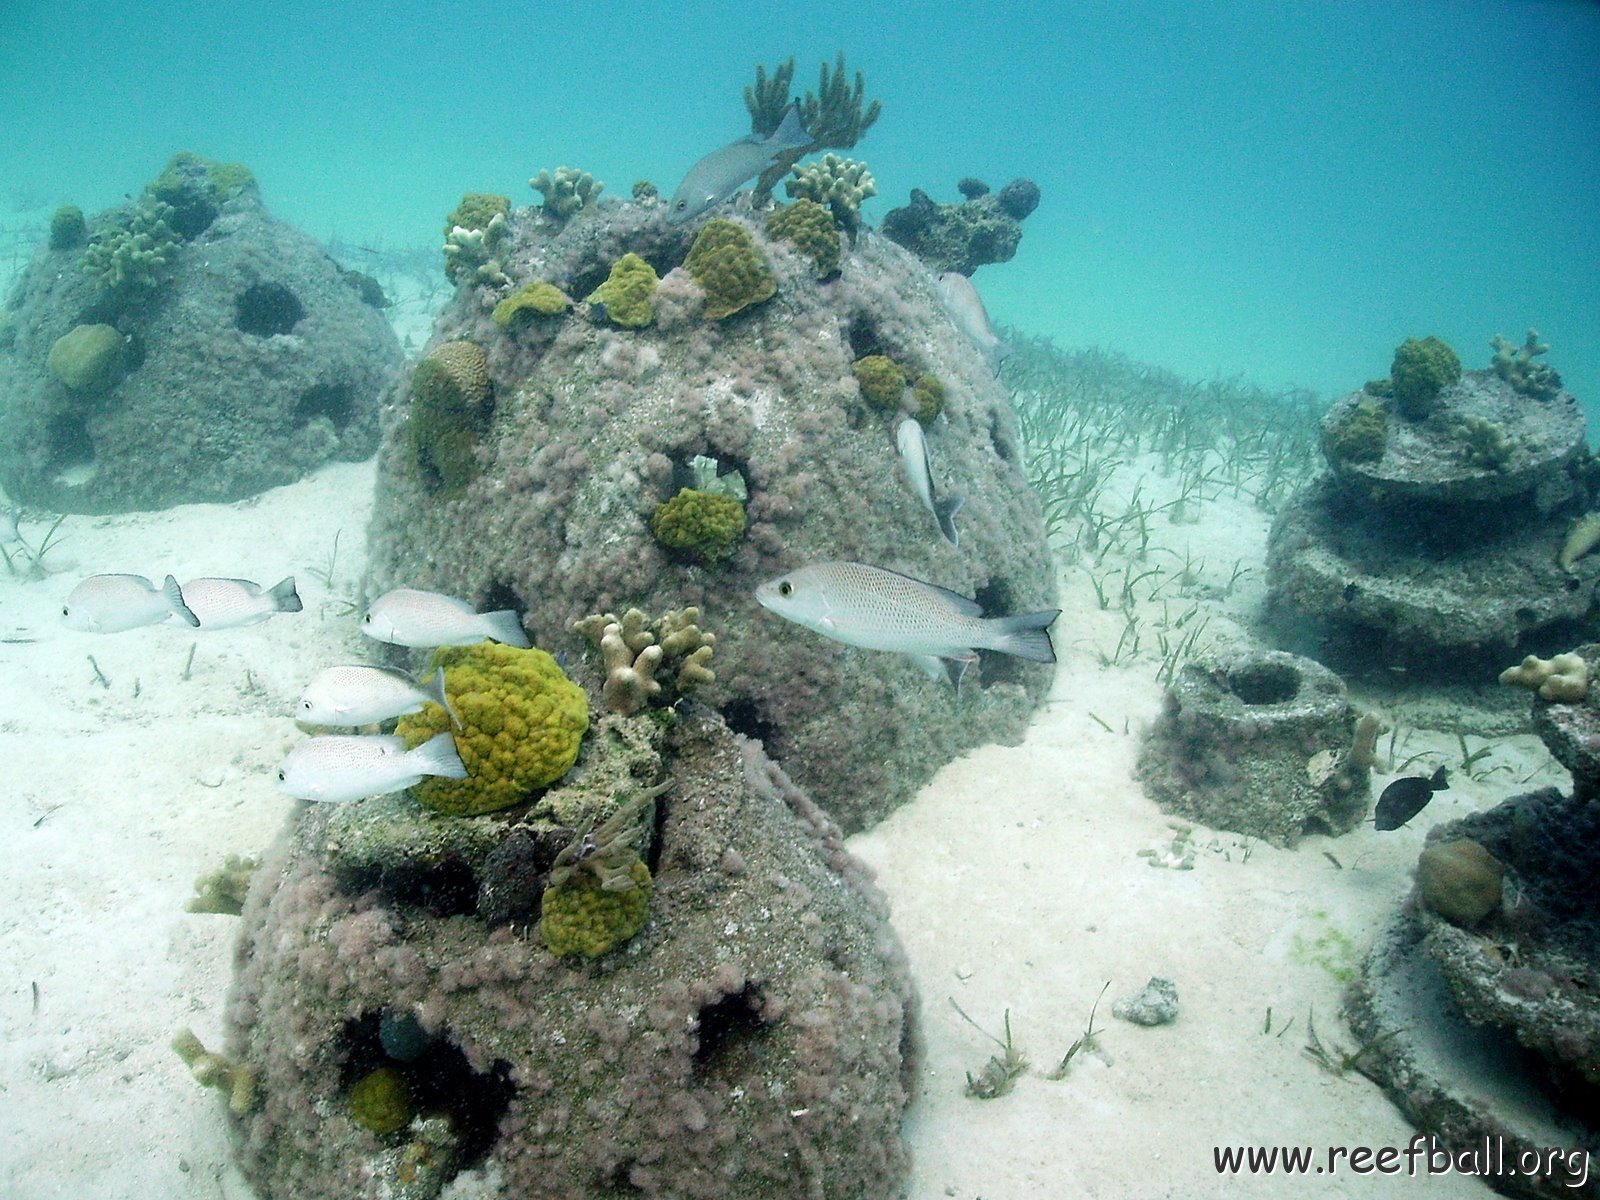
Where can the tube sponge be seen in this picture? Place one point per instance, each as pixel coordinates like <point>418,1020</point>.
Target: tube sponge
<point>522,721</point>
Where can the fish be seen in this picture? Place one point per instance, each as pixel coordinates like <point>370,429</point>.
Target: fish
<point>1405,798</point>
<point>362,695</point>
<point>965,306</point>
<point>113,603</point>
<point>350,766</point>
<point>409,617</point>
<point>919,473</point>
<point>723,172</point>
<point>228,603</point>
<point>878,609</point>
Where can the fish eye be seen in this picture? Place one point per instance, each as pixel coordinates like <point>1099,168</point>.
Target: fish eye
<point>306,704</point>
<point>280,776</point>
<point>785,588</point>
<point>367,620</point>
<point>66,611</point>
<point>681,205</point>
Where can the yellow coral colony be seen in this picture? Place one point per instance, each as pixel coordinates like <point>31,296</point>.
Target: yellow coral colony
<point>1563,679</point>
<point>1583,537</point>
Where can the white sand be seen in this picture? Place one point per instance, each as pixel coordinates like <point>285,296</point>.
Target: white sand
<point>1015,879</point>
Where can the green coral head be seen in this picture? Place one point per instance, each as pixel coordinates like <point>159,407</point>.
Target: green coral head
<point>729,268</point>
<point>702,526</point>
<point>522,724</point>
<point>810,228</point>
<point>1423,367</point>
<point>581,917</point>
<point>536,298</point>
<point>380,1101</point>
<point>68,229</point>
<point>881,379</point>
<point>627,297</point>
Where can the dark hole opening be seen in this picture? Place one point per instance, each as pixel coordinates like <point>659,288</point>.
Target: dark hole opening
<point>335,401</point>
<point>266,309</point>
<point>1265,683</point>
<point>437,1077</point>
<point>726,1027</point>
<point>68,442</point>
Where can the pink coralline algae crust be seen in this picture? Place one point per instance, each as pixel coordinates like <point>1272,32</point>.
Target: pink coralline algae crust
<point>757,1038</point>
<point>594,427</point>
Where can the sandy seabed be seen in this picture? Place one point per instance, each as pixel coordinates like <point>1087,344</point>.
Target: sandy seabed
<point>1016,881</point>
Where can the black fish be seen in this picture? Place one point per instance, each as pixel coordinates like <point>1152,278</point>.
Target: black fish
<point>1405,798</point>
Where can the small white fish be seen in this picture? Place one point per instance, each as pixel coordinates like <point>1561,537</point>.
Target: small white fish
<point>345,766</point>
<point>965,306</point>
<point>228,603</point>
<point>918,466</point>
<point>875,609</point>
<point>723,172</point>
<point>408,617</point>
<point>362,695</point>
<point>113,603</point>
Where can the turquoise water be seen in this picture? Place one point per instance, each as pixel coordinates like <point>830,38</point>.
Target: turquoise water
<point>1280,192</point>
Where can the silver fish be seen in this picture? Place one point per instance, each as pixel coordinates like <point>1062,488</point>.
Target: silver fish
<point>112,603</point>
<point>362,695</point>
<point>228,603</point>
<point>918,466</point>
<point>409,617</point>
<point>876,609</point>
<point>723,172</point>
<point>965,306</point>
<point>339,766</point>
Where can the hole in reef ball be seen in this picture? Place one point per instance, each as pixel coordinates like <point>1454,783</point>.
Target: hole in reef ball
<point>1265,683</point>
<point>265,309</point>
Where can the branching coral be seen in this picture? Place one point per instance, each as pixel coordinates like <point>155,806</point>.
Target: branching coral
<point>1486,444</point>
<point>835,115</point>
<point>522,722</point>
<point>730,270</point>
<point>627,297</point>
<point>566,192</point>
<point>133,255</point>
<point>1516,365</point>
<point>839,184</point>
<point>638,658</point>
<point>1563,679</point>
<point>473,234</point>
<point>213,1070</point>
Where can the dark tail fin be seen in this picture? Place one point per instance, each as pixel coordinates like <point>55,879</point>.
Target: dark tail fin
<point>1026,636</point>
<point>1440,781</point>
<point>173,594</point>
<point>946,511</point>
<point>284,597</point>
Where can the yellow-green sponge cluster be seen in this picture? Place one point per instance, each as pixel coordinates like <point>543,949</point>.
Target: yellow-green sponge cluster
<point>581,917</point>
<point>810,228</point>
<point>536,298</point>
<point>881,379</point>
<point>725,263</point>
<point>380,1101</point>
<point>628,294</point>
<point>701,525</point>
<point>522,721</point>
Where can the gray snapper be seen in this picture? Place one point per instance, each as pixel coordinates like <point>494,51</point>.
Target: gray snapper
<point>113,603</point>
<point>229,603</point>
<point>339,766</point>
<point>913,446</point>
<point>409,617</point>
<point>363,695</point>
<point>723,172</point>
<point>965,306</point>
<point>877,609</point>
